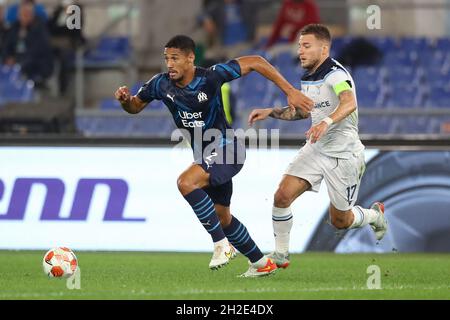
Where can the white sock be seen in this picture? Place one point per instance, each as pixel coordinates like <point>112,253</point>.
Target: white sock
<point>363,217</point>
<point>282,224</point>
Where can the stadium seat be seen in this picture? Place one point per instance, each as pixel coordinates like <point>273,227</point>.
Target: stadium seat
<point>286,59</point>
<point>370,96</point>
<point>374,125</point>
<point>434,59</point>
<point>443,44</point>
<point>437,77</point>
<point>109,50</point>
<point>401,95</point>
<point>393,59</point>
<point>385,44</point>
<point>339,43</point>
<point>160,127</point>
<point>292,73</point>
<point>368,76</point>
<point>17,91</point>
<point>404,75</point>
<point>417,44</point>
<point>110,104</point>
<point>439,97</point>
<point>10,73</point>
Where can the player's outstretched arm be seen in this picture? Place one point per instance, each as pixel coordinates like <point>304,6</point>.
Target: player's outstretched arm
<point>286,113</point>
<point>296,99</point>
<point>131,104</point>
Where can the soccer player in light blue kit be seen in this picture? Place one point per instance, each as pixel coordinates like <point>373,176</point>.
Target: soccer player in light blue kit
<point>193,96</point>
<point>333,151</point>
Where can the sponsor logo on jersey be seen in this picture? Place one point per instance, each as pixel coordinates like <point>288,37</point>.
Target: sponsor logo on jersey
<point>187,117</point>
<point>322,104</point>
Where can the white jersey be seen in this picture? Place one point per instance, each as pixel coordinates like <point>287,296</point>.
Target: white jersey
<point>323,87</point>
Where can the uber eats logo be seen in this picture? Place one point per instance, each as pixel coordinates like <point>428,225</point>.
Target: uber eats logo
<point>190,119</point>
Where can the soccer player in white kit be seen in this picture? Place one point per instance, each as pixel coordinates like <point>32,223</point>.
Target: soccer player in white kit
<point>333,151</point>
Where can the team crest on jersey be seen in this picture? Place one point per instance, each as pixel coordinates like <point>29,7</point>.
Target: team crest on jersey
<point>202,97</point>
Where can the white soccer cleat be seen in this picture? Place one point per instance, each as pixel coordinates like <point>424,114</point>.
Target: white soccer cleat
<point>222,255</point>
<point>259,270</point>
<point>380,225</point>
<point>281,259</point>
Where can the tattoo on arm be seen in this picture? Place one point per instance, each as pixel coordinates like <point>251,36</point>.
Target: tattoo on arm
<point>287,113</point>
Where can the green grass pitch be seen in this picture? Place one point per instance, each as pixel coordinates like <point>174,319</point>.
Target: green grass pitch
<point>185,276</point>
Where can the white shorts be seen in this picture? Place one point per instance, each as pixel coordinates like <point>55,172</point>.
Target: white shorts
<point>342,176</point>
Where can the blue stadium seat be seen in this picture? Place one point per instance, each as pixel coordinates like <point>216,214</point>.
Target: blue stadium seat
<point>109,50</point>
<point>392,59</point>
<point>403,96</point>
<point>286,59</point>
<point>135,88</point>
<point>404,75</point>
<point>433,59</point>
<point>374,125</point>
<point>253,91</point>
<point>368,76</point>
<point>443,44</point>
<point>156,105</point>
<point>437,77</point>
<point>370,96</point>
<point>157,126</point>
<point>339,43</point>
<point>385,44</point>
<point>439,97</point>
<point>113,126</point>
<point>417,125</point>
<point>292,73</point>
<point>17,91</point>
<point>10,73</point>
<point>417,44</point>
<point>161,127</point>
<point>110,104</point>
<point>252,51</point>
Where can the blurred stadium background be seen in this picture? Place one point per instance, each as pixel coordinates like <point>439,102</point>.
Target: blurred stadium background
<point>66,144</point>
<point>403,81</point>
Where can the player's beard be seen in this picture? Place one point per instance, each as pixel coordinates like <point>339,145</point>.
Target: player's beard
<point>311,66</point>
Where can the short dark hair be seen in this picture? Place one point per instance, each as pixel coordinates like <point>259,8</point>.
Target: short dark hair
<point>320,31</point>
<point>182,42</point>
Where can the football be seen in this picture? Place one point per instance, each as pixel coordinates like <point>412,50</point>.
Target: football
<point>60,262</point>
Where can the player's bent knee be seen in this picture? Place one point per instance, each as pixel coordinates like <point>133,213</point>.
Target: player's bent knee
<point>341,220</point>
<point>339,223</point>
<point>282,198</point>
<point>185,185</point>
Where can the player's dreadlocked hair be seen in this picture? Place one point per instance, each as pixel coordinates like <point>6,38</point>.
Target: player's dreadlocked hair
<point>320,31</point>
<point>182,42</point>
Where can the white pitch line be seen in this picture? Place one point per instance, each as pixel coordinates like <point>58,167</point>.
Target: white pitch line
<point>4,295</point>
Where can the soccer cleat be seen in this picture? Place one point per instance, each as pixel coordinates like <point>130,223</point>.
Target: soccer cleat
<point>380,225</point>
<point>221,256</point>
<point>255,270</point>
<point>281,259</point>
